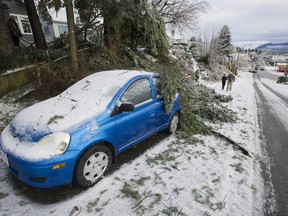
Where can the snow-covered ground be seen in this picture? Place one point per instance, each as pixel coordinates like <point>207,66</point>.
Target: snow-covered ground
<point>205,176</point>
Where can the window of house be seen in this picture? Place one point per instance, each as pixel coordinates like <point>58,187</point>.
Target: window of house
<point>138,92</point>
<point>23,23</point>
<point>62,29</point>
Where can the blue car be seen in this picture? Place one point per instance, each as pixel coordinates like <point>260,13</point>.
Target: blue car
<point>77,135</point>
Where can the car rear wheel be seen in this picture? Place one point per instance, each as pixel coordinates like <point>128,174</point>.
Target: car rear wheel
<point>92,165</point>
<point>174,123</point>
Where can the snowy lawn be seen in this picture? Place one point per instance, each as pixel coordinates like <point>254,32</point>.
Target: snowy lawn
<point>203,176</point>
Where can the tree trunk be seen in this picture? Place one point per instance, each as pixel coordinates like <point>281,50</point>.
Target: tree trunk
<point>72,35</point>
<point>111,32</point>
<point>38,35</point>
<point>6,44</point>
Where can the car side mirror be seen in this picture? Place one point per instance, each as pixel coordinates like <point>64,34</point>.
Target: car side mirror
<point>126,107</point>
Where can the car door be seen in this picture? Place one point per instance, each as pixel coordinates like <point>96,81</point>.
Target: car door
<point>136,125</point>
<point>161,117</point>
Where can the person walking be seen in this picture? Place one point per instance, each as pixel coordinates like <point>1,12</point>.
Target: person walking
<point>14,31</point>
<point>230,80</point>
<point>224,78</point>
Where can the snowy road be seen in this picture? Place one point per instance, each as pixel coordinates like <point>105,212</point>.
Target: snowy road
<point>272,101</point>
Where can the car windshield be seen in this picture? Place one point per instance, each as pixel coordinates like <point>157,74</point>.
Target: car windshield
<point>99,87</point>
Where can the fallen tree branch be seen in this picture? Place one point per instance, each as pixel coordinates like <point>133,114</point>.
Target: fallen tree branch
<point>236,145</point>
<point>142,201</point>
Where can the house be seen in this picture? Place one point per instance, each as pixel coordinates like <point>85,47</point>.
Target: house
<point>16,8</point>
<point>57,27</point>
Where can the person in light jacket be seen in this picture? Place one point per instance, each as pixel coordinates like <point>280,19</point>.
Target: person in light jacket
<point>230,80</point>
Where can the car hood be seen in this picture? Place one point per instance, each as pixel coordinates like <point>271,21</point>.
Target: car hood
<point>53,115</point>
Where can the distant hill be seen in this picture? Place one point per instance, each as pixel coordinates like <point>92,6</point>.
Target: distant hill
<point>277,47</point>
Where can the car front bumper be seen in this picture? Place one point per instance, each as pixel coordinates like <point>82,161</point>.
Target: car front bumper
<point>50,173</point>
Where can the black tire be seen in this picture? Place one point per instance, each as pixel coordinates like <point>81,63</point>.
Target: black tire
<point>92,165</point>
<point>174,124</point>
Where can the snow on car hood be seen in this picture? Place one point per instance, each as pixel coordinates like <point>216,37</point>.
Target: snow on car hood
<point>53,115</point>
<point>87,98</point>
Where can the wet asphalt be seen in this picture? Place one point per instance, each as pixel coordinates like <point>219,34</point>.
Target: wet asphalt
<point>275,144</point>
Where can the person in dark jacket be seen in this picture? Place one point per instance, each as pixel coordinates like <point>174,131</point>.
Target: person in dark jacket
<point>14,31</point>
<point>224,78</point>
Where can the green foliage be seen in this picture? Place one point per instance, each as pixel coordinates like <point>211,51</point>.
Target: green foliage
<point>165,157</point>
<point>198,102</point>
<point>129,191</point>
<point>143,26</point>
<point>44,12</point>
<point>224,41</point>
<point>174,80</point>
<point>207,105</point>
<point>173,210</point>
<point>129,23</point>
<point>140,181</point>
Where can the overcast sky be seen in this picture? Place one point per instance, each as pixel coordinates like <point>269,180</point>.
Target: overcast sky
<point>248,20</point>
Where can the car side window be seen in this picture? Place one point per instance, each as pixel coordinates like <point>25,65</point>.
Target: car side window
<point>138,92</point>
<point>156,81</point>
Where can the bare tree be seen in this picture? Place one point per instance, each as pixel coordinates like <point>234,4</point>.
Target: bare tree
<point>38,35</point>
<point>72,35</point>
<point>180,14</point>
<point>57,4</point>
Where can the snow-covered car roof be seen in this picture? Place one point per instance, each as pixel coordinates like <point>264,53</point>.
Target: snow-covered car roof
<point>86,98</point>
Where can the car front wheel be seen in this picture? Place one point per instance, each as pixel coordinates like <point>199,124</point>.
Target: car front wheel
<point>173,124</point>
<point>92,165</point>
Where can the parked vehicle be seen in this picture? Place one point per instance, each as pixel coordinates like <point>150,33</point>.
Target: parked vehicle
<point>283,79</point>
<point>77,135</point>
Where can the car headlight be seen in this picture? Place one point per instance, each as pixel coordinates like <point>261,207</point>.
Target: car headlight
<point>55,143</point>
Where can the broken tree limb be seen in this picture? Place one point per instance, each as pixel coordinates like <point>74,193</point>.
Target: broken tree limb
<point>236,145</point>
